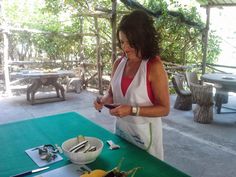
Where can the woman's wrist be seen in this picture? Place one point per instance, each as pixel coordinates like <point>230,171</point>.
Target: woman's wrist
<point>135,110</point>
<point>138,112</point>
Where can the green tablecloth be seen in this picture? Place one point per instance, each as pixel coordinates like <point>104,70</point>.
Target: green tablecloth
<point>16,137</point>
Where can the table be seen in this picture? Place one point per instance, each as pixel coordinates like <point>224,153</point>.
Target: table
<point>16,137</point>
<point>41,78</point>
<point>223,83</point>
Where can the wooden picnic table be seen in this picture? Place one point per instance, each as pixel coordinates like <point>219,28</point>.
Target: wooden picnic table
<point>44,78</point>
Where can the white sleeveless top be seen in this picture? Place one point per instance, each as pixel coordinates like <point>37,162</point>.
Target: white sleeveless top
<point>145,132</point>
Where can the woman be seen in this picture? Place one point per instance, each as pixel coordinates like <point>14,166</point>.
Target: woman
<point>139,85</point>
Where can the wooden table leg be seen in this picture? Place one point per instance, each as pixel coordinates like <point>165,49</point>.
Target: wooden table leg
<point>35,86</point>
<point>218,103</point>
<point>39,82</point>
<point>58,88</point>
<point>32,89</point>
<point>221,97</point>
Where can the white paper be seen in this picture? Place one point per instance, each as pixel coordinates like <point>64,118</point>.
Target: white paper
<point>70,170</point>
<point>34,155</point>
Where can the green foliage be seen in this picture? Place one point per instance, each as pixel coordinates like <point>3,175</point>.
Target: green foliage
<point>62,27</point>
<point>213,47</point>
<point>181,42</point>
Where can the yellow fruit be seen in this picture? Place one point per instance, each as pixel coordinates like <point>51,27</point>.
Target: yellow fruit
<point>85,175</point>
<point>95,173</point>
<point>98,173</point>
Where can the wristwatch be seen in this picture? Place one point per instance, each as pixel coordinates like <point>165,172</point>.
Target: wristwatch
<point>135,110</point>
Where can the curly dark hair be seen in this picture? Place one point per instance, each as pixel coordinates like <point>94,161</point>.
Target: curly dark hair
<point>139,29</point>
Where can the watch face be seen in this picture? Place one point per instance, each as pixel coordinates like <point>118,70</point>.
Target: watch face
<point>134,110</point>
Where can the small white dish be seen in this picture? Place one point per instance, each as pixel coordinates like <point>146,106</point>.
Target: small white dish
<point>81,157</point>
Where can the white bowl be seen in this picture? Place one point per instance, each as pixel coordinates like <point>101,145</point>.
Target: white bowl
<point>81,157</point>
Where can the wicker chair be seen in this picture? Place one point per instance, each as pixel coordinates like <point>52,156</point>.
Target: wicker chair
<point>203,96</point>
<point>184,97</point>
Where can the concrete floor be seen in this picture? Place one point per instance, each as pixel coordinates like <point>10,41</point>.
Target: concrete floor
<point>200,150</point>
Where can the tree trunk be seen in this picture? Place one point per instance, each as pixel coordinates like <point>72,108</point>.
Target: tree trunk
<point>203,97</point>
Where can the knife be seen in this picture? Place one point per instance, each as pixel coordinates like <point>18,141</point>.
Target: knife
<point>30,172</point>
<point>99,102</point>
<point>110,106</point>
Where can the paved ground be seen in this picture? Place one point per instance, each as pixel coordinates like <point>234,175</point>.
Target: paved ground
<point>200,150</point>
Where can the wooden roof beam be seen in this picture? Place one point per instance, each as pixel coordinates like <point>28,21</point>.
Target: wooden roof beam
<point>219,5</point>
<point>99,15</point>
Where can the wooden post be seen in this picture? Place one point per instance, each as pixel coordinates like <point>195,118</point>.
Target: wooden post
<point>81,30</point>
<point>5,50</point>
<point>6,62</point>
<point>205,40</point>
<point>113,25</point>
<point>99,63</point>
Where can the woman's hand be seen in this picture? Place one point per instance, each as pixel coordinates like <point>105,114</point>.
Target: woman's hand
<point>121,111</point>
<point>98,105</point>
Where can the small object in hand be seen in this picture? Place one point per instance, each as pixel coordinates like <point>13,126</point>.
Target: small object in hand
<point>112,145</point>
<point>99,102</point>
<point>110,106</point>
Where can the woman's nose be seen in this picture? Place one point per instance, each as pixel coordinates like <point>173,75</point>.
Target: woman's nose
<point>125,46</point>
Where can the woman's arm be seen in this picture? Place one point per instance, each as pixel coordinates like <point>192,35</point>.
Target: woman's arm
<point>160,87</point>
<point>108,97</point>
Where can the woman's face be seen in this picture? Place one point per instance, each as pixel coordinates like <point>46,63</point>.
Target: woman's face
<point>125,45</point>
